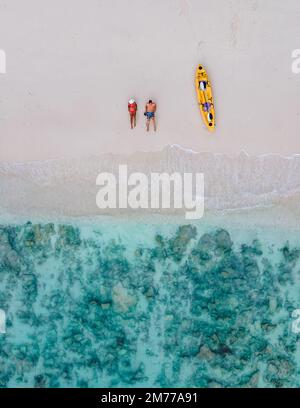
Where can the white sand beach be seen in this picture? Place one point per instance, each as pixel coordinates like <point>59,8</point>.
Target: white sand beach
<point>72,66</point>
<point>162,259</point>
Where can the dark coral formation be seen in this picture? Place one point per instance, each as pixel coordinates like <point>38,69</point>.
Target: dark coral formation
<point>192,309</point>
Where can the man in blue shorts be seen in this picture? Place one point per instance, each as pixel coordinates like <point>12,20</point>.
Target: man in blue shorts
<point>150,110</point>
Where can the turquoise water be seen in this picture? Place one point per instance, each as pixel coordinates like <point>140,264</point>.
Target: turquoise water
<point>92,304</point>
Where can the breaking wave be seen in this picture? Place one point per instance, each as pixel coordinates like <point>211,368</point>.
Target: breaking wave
<point>68,186</point>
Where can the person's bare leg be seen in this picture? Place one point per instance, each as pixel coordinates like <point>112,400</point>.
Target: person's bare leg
<point>134,122</point>
<point>148,124</point>
<point>131,121</point>
<point>154,123</point>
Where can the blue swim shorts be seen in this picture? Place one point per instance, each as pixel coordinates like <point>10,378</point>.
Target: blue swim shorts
<point>150,115</point>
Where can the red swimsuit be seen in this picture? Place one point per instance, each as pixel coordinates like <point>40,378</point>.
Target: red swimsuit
<point>132,107</point>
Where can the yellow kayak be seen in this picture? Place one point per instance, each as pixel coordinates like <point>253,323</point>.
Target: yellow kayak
<point>205,98</point>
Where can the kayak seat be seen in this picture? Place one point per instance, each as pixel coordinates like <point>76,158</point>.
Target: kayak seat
<point>202,85</point>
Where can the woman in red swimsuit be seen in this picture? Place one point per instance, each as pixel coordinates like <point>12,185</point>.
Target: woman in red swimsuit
<point>132,108</point>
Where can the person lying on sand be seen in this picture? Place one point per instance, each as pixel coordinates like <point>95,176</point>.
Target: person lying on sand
<point>150,110</point>
<point>132,108</point>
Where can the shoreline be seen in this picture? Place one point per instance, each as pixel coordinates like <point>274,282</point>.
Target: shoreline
<point>68,187</point>
<point>143,152</point>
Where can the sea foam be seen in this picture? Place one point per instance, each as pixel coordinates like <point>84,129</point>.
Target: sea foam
<point>68,186</point>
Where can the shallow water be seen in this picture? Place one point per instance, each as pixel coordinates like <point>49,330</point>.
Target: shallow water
<point>95,304</point>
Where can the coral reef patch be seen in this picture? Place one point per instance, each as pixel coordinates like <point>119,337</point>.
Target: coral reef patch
<point>189,308</point>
